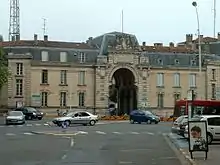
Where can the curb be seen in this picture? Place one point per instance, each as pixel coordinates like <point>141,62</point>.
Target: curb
<point>54,134</point>
<point>180,150</point>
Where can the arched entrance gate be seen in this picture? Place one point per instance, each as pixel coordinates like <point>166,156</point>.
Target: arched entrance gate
<point>123,91</point>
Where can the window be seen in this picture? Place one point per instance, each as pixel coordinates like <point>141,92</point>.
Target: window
<point>44,78</point>
<point>193,63</point>
<point>192,80</point>
<point>160,61</point>
<point>176,61</point>
<point>176,79</point>
<point>19,87</point>
<point>213,91</point>
<point>214,121</point>
<point>62,99</point>
<point>160,100</point>
<point>19,68</point>
<point>44,56</point>
<point>63,57</point>
<point>160,79</point>
<point>81,99</point>
<point>82,78</point>
<point>177,96</point>
<point>213,74</point>
<point>84,114</point>
<point>82,57</point>
<point>63,77</point>
<point>44,99</point>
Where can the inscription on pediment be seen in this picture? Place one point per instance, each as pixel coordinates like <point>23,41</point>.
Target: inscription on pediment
<point>124,58</point>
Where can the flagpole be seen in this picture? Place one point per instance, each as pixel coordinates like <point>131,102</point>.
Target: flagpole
<point>122,21</point>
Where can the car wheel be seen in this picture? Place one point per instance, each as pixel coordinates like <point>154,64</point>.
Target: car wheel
<point>59,124</point>
<point>84,124</point>
<point>149,122</point>
<point>39,118</point>
<point>131,121</point>
<point>67,123</point>
<point>210,138</point>
<point>156,122</point>
<point>29,117</point>
<point>92,122</point>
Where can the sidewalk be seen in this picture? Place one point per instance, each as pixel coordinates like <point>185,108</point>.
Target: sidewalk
<point>213,154</point>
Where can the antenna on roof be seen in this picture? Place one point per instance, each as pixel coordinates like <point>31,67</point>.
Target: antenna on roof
<point>44,26</point>
<point>122,21</point>
<point>214,17</point>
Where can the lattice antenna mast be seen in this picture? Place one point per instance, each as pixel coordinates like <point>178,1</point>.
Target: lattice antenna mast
<point>214,17</point>
<point>14,22</point>
<point>44,26</point>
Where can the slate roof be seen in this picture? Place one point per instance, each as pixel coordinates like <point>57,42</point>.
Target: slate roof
<point>158,56</point>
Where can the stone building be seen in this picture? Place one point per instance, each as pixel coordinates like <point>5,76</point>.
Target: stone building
<point>109,70</point>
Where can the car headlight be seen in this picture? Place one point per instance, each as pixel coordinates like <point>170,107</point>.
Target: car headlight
<point>153,118</point>
<point>34,113</point>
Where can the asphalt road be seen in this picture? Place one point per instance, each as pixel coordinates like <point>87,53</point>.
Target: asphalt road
<point>104,144</point>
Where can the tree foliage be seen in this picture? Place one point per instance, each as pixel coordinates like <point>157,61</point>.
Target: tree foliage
<point>4,72</point>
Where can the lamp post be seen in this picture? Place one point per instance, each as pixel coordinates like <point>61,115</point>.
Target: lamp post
<point>199,44</point>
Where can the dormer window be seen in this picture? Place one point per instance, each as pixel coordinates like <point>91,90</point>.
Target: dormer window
<point>82,57</point>
<point>176,61</point>
<point>193,62</point>
<point>44,56</point>
<point>160,61</point>
<point>63,57</point>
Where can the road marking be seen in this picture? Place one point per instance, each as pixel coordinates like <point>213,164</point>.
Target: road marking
<point>46,124</point>
<point>63,157</point>
<point>28,133</point>
<point>119,133</point>
<point>1,126</point>
<point>71,142</point>
<point>150,133</point>
<point>135,150</point>
<point>100,132</point>
<point>10,134</point>
<point>20,125</point>
<point>29,125</point>
<point>134,133</point>
<point>10,126</point>
<point>123,162</point>
<point>38,124</point>
<point>82,132</point>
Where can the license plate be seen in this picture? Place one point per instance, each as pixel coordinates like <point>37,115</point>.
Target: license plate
<point>14,120</point>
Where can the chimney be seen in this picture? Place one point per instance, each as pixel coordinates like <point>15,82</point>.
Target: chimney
<point>189,37</point>
<point>218,36</point>
<point>17,37</point>
<point>35,37</point>
<point>143,43</point>
<point>12,38</point>
<point>201,37</point>
<point>45,37</point>
<point>171,44</point>
<point>158,44</point>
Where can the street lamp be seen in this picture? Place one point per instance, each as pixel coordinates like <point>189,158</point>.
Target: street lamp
<point>199,42</point>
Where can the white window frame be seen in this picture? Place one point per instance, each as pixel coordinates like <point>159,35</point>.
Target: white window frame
<point>192,80</point>
<point>19,87</point>
<point>44,78</point>
<point>19,68</point>
<point>82,75</point>
<point>63,57</point>
<point>44,99</point>
<point>63,77</point>
<point>160,79</point>
<point>44,56</point>
<point>81,99</point>
<point>176,77</point>
<point>63,99</point>
<point>82,57</point>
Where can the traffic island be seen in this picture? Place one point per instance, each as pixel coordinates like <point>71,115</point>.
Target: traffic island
<point>56,133</point>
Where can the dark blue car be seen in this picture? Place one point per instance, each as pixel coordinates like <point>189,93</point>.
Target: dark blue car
<point>140,116</point>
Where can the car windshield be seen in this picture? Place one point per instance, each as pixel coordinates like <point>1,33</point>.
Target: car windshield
<point>148,113</point>
<point>31,109</point>
<point>14,113</point>
<point>70,114</point>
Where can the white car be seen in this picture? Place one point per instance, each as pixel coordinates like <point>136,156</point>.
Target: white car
<point>15,117</point>
<point>78,117</point>
<point>213,127</point>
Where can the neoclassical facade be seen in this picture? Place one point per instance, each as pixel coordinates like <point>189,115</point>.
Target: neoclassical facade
<point>109,70</point>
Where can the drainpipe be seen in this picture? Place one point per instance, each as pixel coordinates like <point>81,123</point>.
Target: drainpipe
<point>94,104</point>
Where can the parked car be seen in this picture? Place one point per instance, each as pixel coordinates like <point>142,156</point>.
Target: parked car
<point>15,117</point>
<point>141,116</point>
<point>179,125</point>
<point>78,117</point>
<point>213,127</point>
<point>31,113</point>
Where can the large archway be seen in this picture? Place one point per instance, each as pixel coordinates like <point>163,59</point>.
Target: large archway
<point>123,91</point>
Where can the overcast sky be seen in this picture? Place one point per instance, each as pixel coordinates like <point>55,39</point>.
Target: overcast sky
<point>76,20</point>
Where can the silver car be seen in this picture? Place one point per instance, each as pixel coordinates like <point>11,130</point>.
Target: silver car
<point>15,117</point>
<point>79,117</point>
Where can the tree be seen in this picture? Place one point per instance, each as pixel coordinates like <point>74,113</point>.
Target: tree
<point>4,72</point>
